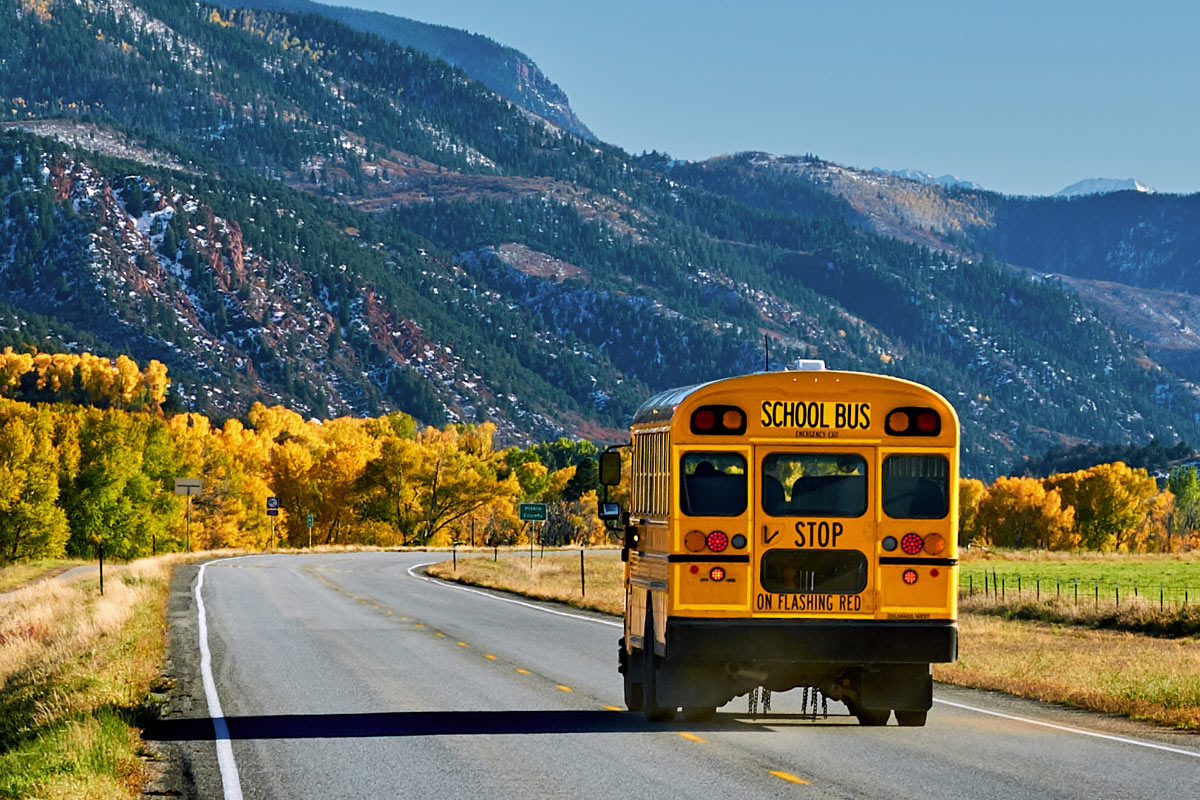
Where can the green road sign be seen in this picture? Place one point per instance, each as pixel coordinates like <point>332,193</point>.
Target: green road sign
<point>310,520</point>
<point>532,512</point>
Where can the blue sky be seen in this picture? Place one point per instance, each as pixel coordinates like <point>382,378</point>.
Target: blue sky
<point>1021,97</point>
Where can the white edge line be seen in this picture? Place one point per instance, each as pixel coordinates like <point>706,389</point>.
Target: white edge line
<point>1026,720</point>
<point>461,588</point>
<point>1069,729</point>
<point>230,782</point>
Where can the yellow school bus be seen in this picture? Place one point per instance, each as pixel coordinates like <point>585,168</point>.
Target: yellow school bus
<point>789,529</point>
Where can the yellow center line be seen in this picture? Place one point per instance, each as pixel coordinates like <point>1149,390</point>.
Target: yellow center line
<point>522,671</point>
<point>789,777</point>
<point>562,688</point>
<point>418,625</point>
<point>462,644</point>
<point>613,708</point>
<point>489,657</point>
<point>389,613</point>
<point>440,634</point>
<point>691,737</point>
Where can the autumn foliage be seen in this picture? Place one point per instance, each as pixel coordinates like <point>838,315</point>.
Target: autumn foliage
<point>1105,508</point>
<point>73,477</point>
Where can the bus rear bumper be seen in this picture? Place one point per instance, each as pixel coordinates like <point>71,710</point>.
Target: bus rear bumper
<point>812,641</point>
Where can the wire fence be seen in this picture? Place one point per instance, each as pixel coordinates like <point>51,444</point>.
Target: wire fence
<point>1010,587</point>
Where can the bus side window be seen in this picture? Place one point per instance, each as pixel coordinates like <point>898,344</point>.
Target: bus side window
<point>712,484</point>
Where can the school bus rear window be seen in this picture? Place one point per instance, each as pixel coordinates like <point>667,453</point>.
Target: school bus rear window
<point>814,485</point>
<point>814,571</point>
<point>916,486</point>
<point>712,484</point>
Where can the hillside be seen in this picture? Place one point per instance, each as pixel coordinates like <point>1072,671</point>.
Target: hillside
<point>1132,256</point>
<point>283,208</point>
<point>506,71</point>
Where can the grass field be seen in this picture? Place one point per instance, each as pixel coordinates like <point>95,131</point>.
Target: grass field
<point>1143,677</point>
<point>78,673</point>
<point>1099,577</point>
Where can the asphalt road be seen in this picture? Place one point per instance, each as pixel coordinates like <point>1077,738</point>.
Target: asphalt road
<point>349,676</point>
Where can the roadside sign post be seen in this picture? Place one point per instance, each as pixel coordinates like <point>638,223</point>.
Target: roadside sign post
<point>310,526</point>
<point>272,512</point>
<point>531,512</point>
<point>188,487</point>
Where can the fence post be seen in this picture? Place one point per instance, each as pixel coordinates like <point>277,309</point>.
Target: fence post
<point>1160,597</point>
<point>1018,586</point>
<point>1058,588</point>
<point>582,576</point>
<point>985,583</point>
<point>1039,588</point>
<point>1135,589</point>
<point>1076,591</point>
<point>971,584</point>
<point>1117,589</point>
<point>1003,586</point>
<point>1097,586</point>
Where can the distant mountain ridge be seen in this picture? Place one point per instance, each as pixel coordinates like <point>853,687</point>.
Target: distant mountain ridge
<point>506,71</point>
<point>947,181</point>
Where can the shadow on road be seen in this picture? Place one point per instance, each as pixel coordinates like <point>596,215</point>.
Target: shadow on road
<point>429,723</point>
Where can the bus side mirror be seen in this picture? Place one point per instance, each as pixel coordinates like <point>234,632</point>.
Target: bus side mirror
<point>610,511</point>
<point>610,468</point>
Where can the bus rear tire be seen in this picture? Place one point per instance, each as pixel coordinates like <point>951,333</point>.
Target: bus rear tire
<point>654,712</point>
<point>872,718</point>
<point>911,719</point>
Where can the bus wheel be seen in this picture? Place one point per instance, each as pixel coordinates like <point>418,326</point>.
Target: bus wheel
<point>633,684</point>
<point>654,712</point>
<point>699,713</point>
<point>871,717</point>
<point>911,719</point>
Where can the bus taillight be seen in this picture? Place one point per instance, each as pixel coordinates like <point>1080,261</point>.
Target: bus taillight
<point>717,541</point>
<point>934,544</point>
<point>909,576</point>
<point>910,421</point>
<point>716,574</point>
<point>694,541</point>
<point>911,544</point>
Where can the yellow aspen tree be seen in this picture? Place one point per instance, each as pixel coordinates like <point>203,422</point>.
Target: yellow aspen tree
<point>13,367</point>
<point>155,379</point>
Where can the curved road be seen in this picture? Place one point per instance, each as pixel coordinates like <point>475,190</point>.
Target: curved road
<point>351,676</point>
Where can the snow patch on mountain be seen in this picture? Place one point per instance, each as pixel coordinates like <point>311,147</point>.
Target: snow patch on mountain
<point>1103,186</point>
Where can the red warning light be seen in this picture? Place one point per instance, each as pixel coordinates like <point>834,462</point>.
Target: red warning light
<point>717,574</point>
<point>910,576</point>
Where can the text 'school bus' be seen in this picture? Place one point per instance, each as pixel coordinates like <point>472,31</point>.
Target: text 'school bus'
<point>789,529</point>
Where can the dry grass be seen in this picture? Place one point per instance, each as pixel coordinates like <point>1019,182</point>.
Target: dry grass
<point>1121,673</point>
<point>553,577</point>
<point>1125,673</point>
<point>77,672</point>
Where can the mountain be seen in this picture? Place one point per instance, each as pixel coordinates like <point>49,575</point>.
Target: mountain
<point>281,207</point>
<point>1132,257</point>
<point>506,71</point>
<point>945,181</point>
<point>1103,186</point>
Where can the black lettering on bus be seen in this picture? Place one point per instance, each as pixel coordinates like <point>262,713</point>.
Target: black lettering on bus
<point>763,602</point>
<point>817,534</point>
